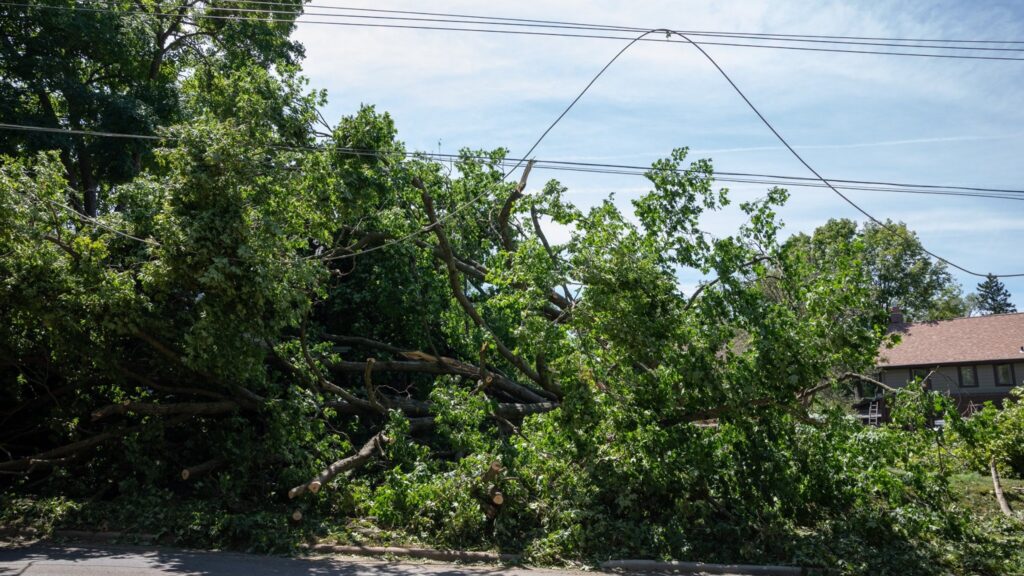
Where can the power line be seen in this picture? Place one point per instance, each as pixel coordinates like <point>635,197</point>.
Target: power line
<point>884,225</point>
<point>750,104</point>
<point>505,176</point>
<point>497,21</point>
<point>722,176</point>
<point>616,169</point>
<point>73,132</point>
<point>94,221</point>
<point>292,21</point>
<point>636,28</point>
<point>444,17</point>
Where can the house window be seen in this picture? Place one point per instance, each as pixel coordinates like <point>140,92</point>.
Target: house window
<point>1004,374</point>
<point>920,374</point>
<point>968,376</point>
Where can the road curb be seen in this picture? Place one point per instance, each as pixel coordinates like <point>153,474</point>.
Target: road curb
<point>611,565</point>
<point>421,553</point>
<point>491,557</point>
<point>86,535</point>
<point>700,567</point>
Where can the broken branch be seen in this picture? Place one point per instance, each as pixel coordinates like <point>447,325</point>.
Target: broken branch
<point>198,470</point>
<point>150,409</point>
<point>356,460</point>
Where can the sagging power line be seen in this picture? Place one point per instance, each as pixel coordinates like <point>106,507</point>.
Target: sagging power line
<point>668,33</point>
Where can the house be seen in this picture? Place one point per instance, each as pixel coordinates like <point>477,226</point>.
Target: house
<point>974,359</point>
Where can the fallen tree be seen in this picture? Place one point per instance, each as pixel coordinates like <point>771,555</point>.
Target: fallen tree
<point>260,316</point>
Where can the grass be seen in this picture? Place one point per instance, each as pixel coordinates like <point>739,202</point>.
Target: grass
<point>978,496</point>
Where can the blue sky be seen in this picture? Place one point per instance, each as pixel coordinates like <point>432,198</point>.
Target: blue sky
<point>852,116</point>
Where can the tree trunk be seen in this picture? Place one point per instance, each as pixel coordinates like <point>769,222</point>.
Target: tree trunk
<point>1004,506</point>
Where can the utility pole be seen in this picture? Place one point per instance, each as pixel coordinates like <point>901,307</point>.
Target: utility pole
<point>92,196</point>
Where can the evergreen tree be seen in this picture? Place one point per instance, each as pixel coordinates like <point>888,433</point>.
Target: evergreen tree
<point>993,297</point>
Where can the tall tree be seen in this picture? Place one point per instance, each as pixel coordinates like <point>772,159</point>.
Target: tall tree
<point>900,271</point>
<point>118,67</point>
<point>993,297</point>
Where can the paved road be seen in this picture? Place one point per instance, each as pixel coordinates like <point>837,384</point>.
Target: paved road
<point>104,560</point>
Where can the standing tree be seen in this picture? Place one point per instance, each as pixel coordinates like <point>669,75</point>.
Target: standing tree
<point>900,271</point>
<point>993,297</point>
<point>118,67</point>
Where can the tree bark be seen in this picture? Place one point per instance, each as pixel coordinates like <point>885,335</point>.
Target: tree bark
<point>149,409</point>
<point>356,460</point>
<point>1004,506</point>
<point>456,286</point>
<point>198,470</point>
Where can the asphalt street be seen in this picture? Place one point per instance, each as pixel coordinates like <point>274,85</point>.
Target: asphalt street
<point>48,560</point>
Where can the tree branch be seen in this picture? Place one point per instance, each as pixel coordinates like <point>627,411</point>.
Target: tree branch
<point>456,287</point>
<point>547,248</point>
<point>356,460</point>
<point>424,363</point>
<point>150,409</point>
<point>997,486</point>
<point>193,472</point>
<point>506,209</point>
<point>149,383</point>
<point>61,453</point>
<point>869,380</point>
<point>706,285</point>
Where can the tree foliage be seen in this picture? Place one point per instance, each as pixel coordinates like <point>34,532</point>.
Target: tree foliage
<point>376,336</point>
<point>993,297</point>
<point>117,67</point>
<point>901,273</point>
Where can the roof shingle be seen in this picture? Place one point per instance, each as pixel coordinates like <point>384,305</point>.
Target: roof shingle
<point>977,339</point>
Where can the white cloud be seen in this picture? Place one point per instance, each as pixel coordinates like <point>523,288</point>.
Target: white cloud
<point>855,116</point>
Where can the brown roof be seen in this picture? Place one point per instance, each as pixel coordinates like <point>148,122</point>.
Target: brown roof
<point>977,339</point>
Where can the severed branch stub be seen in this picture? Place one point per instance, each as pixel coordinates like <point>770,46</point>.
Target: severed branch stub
<point>497,498</point>
<point>354,461</point>
<point>198,470</point>
<point>491,498</point>
<point>492,472</point>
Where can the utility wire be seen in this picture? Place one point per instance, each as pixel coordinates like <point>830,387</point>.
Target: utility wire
<point>291,21</point>
<point>541,164</point>
<point>605,168</point>
<point>93,221</point>
<point>636,28</point>
<point>290,9</point>
<point>464,19</point>
<point>444,217</point>
<point>750,104</point>
<point>886,226</point>
<point>73,132</point>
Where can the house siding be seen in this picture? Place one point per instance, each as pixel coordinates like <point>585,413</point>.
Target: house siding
<point>947,378</point>
<point>942,348</point>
